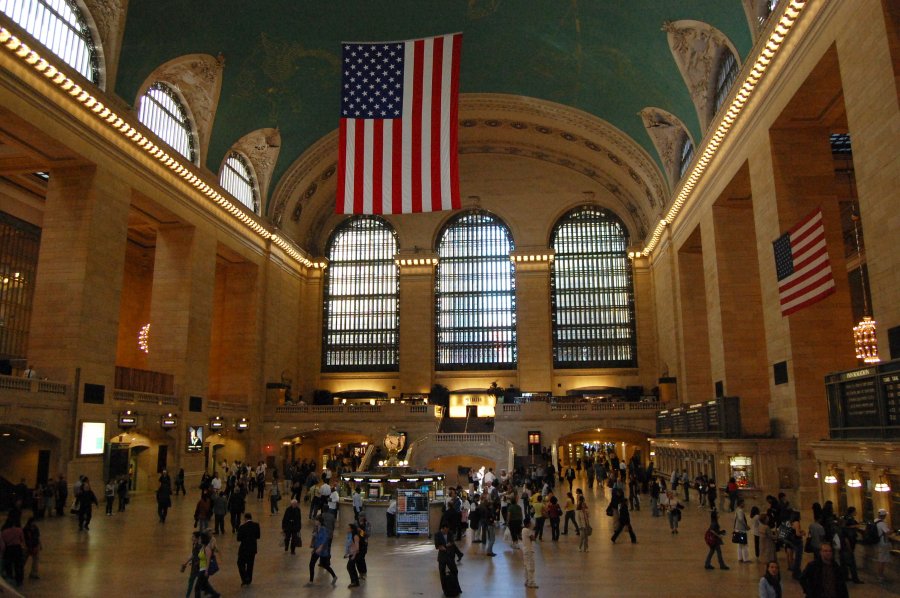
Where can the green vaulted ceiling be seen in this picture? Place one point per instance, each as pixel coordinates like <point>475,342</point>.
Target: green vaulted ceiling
<point>282,57</point>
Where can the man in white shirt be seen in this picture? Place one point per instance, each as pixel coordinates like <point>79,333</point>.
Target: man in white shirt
<point>333,500</point>
<point>489,478</point>
<point>216,483</point>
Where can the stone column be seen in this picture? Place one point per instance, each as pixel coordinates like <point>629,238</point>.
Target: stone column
<point>533,327</point>
<point>181,308</point>
<point>74,323</point>
<point>417,322</point>
<point>870,44</point>
<point>736,332</point>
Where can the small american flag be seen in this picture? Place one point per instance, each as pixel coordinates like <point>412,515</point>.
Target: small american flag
<point>801,261</point>
<point>398,133</point>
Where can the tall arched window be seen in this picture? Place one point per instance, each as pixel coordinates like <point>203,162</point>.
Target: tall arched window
<point>475,295</point>
<point>725,76</point>
<point>592,292</point>
<point>236,177</point>
<point>59,25</point>
<point>163,113</point>
<point>362,298</point>
<point>686,155</point>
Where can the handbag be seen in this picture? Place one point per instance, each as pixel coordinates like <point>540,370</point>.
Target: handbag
<point>213,566</point>
<point>588,530</point>
<point>739,537</point>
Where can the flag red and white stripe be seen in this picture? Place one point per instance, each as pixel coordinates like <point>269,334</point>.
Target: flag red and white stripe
<point>804,270</point>
<point>399,154</point>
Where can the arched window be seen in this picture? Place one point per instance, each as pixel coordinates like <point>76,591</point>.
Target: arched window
<point>237,178</point>
<point>475,295</point>
<point>592,292</point>
<point>362,298</point>
<point>685,157</point>
<point>163,113</point>
<point>59,25</point>
<point>725,76</point>
<point>769,8</point>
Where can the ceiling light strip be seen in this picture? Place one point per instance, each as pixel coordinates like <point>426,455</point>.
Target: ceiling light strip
<point>768,52</point>
<point>23,52</point>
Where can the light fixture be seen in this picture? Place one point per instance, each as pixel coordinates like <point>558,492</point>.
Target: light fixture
<point>830,478</point>
<point>884,484</point>
<point>864,334</point>
<point>853,481</point>
<point>242,425</point>
<point>127,419</point>
<point>144,338</point>
<point>168,421</point>
<point>216,423</point>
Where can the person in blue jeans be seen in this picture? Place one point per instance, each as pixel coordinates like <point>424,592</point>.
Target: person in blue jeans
<point>321,552</point>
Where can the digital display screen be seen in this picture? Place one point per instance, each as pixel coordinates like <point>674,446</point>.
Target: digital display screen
<point>93,437</point>
<point>195,439</point>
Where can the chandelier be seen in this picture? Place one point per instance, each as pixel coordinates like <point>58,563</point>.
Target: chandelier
<point>144,338</point>
<point>864,333</point>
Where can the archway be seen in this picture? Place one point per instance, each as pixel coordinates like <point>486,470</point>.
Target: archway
<point>575,447</point>
<point>139,453</point>
<point>29,455</point>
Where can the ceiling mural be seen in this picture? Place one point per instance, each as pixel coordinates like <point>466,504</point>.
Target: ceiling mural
<point>607,60</point>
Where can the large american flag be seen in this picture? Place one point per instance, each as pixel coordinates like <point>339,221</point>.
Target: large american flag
<point>801,261</point>
<point>398,132</point>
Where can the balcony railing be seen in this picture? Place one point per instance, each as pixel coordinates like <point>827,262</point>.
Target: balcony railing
<point>33,385</point>
<point>145,397</point>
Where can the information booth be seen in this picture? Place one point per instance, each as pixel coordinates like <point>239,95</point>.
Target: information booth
<point>419,496</point>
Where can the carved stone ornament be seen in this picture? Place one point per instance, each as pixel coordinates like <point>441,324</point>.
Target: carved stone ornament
<point>198,77</point>
<point>261,147</point>
<point>696,47</point>
<point>667,133</point>
<point>106,20</point>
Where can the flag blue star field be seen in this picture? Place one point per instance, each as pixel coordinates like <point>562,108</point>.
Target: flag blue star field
<point>801,262</point>
<point>397,150</point>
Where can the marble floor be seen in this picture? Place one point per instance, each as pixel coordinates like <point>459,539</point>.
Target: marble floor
<point>133,554</point>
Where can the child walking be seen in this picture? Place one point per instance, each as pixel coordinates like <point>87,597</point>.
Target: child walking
<point>528,553</point>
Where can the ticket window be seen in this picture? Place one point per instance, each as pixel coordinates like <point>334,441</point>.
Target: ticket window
<point>742,471</point>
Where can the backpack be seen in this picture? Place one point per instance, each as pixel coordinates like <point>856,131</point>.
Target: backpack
<point>711,538</point>
<point>786,533</point>
<point>870,535</point>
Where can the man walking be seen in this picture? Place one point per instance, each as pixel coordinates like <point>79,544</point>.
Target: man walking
<point>247,535</point>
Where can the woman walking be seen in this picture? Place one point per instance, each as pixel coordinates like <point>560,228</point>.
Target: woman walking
<point>713,538</point>
<point>321,551</point>
<point>86,501</point>
<point>570,514</point>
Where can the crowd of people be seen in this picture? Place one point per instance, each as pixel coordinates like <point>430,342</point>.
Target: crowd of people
<point>518,507</point>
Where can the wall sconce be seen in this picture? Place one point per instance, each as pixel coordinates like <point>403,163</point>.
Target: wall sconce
<point>830,478</point>
<point>216,423</point>
<point>884,484</point>
<point>243,424</point>
<point>127,419</point>
<point>168,421</point>
<point>853,481</point>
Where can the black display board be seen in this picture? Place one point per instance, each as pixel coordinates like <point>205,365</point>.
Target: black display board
<point>720,418</point>
<point>865,402</point>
